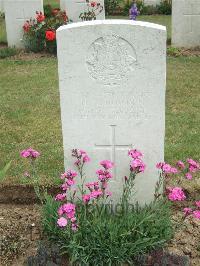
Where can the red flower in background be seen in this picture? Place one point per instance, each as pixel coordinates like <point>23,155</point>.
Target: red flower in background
<point>93,4</point>
<point>26,26</point>
<point>50,35</point>
<point>55,11</point>
<point>40,17</point>
<point>65,17</point>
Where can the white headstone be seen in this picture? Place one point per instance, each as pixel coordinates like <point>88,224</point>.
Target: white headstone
<point>186,23</point>
<point>152,2</point>
<point>75,7</point>
<point>112,91</point>
<point>16,14</point>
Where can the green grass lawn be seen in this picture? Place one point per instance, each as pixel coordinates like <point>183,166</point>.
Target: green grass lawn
<point>159,19</point>
<point>30,113</point>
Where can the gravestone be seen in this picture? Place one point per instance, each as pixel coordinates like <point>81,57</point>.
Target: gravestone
<point>75,7</point>
<point>186,23</point>
<point>112,92</point>
<point>1,6</point>
<point>16,14</point>
<point>152,2</point>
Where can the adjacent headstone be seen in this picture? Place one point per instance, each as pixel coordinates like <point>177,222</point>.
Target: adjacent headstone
<point>152,2</point>
<point>186,23</point>
<point>16,14</point>
<point>1,6</point>
<point>75,7</point>
<point>112,91</point>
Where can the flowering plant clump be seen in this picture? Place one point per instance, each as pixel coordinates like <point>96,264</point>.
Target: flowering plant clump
<point>90,228</point>
<point>93,10</point>
<point>32,175</point>
<point>40,32</point>
<point>183,171</point>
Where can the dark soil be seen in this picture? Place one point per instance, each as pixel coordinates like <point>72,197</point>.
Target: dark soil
<point>20,235</point>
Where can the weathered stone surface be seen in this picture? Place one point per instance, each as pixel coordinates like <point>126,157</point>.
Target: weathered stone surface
<point>112,92</point>
<point>185,23</point>
<point>75,7</point>
<point>16,14</point>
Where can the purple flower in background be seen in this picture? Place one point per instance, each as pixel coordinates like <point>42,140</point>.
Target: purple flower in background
<point>133,12</point>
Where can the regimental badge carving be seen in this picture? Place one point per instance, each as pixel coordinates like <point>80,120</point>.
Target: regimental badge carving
<point>110,59</point>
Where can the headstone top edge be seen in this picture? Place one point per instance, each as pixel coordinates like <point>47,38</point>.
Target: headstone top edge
<point>112,22</point>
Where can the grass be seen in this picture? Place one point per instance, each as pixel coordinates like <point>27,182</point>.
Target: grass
<point>159,19</point>
<point>30,113</point>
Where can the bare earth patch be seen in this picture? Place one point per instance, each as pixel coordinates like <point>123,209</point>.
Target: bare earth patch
<point>20,232</point>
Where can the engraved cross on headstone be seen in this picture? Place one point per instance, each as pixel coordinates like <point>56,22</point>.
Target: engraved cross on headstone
<point>191,14</point>
<point>113,147</point>
<point>23,16</point>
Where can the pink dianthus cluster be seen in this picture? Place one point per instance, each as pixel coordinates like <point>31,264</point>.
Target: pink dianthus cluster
<point>176,194</point>
<point>29,153</point>
<point>194,212</point>
<point>166,168</point>
<point>137,165</point>
<point>98,189</point>
<point>81,157</point>
<point>67,213</point>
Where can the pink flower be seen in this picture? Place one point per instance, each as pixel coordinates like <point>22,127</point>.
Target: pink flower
<point>70,174</point>
<point>180,164</point>
<point>108,193</point>
<point>193,165</point>
<point>137,165</point>
<point>86,159</point>
<point>160,165</point>
<point>70,182</point>
<point>135,153</point>
<point>166,168</point>
<point>60,211</point>
<point>73,220</point>
<point>77,162</point>
<point>197,203</point>
<point>187,211</point>
<point>82,152</point>
<point>196,214</point>
<point>176,194</point>
<point>60,197</point>
<point>74,227</point>
<point>29,153</point>
<point>188,176</point>
<point>65,186</point>
<point>107,164</point>
<point>86,198</point>
<point>100,172</point>
<point>96,194</point>
<point>62,222</point>
<point>174,170</point>
<point>92,186</point>
<point>69,210</point>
